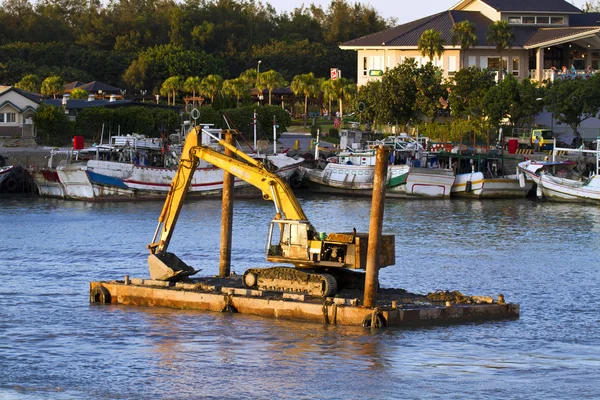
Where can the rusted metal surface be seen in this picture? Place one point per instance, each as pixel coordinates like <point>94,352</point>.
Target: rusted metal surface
<point>226,215</point>
<point>376,224</point>
<point>210,296</point>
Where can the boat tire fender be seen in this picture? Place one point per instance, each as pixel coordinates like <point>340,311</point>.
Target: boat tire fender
<point>100,294</point>
<point>469,186</point>
<point>379,320</point>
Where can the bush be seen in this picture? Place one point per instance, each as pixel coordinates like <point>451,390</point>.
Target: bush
<point>334,133</point>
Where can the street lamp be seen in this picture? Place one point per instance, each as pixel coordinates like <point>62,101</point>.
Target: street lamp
<point>258,67</point>
<point>143,93</point>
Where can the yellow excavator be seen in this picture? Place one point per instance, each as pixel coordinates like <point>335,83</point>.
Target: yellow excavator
<point>321,261</point>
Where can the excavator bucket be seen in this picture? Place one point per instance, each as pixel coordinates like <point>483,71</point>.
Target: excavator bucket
<point>168,267</point>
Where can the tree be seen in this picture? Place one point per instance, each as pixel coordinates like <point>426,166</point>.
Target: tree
<point>51,86</point>
<point>466,92</point>
<point>29,83</point>
<point>500,34</point>
<point>431,43</point>
<point>236,87</point>
<point>328,89</point>
<point>592,6</point>
<point>573,101</point>
<point>249,77</point>
<point>53,126</point>
<point>513,100</point>
<point>270,80</point>
<point>306,85</point>
<point>463,34</point>
<point>78,93</point>
<point>170,87</point>
<point>344,90</point>
<point>211,86</point>
<point>371,96</point>
<point>398,94</point>
<point>430,90</point>
<point>192,85</point>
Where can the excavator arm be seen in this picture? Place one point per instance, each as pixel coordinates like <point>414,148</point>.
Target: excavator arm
<point>244,167</point>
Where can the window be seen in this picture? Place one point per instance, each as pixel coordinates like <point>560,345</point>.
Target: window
<point>365,72</point>
<point>514,20</point>
<point>471,61</point>
<point>557,20</point>
<point>451,65</point>
<point>11,117</point>
<point>515,66</point>
<point>542,20</point>
<point>1,117</point>
<point>529,20</point>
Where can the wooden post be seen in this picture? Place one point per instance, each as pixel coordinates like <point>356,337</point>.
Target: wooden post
<point>376,223</point>
<point>226,215</point>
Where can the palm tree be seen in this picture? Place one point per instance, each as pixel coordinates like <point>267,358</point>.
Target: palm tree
<point>463,33</point>
<point>328,89</point>
<point>270,80</point>
<point>52,85</point>
<point>249,76</point>
<point>170,87</point>
<point>211,86</point>
<point>305,84</point>
<point>344,90</point>
<point>500,34</point>
<point>236,87</point>
<point>192,85</point>
<point>431,43</point>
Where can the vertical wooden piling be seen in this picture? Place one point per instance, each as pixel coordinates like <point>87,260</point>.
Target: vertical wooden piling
<point>226,215</point>
<point>376,223</point>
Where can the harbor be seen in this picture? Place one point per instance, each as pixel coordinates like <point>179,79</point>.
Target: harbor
<point>58,340</point>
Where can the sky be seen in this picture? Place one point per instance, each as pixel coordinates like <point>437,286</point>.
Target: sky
<point>403,10</point>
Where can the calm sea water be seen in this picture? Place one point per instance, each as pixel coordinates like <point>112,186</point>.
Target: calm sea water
<point>55,345</point>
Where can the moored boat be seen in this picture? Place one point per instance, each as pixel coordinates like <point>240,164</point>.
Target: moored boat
<point>134,167</point>
<point>558,180</point>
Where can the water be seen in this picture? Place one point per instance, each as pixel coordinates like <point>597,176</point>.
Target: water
<point>54,344</point>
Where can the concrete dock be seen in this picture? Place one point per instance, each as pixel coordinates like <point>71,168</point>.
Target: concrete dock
<point>395,307</point>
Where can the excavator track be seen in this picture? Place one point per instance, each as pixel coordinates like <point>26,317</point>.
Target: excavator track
<point>290,280</point>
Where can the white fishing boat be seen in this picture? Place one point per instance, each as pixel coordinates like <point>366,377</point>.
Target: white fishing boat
<point>350,173</point>
<point>557,181</point>
<point>134,167</point>
<point>481,176</point>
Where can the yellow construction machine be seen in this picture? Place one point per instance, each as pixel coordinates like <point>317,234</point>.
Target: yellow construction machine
<point>322,261</point>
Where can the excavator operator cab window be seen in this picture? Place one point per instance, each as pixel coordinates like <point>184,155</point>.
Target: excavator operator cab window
<point>287,238</point>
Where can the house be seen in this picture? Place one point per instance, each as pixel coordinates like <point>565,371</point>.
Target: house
<point>99,89</point>
<point>17,108</point>
<point>548,33</point>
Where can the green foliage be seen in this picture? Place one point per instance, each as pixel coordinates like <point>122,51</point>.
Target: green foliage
<point>78,93</point>
<point>468,88</point>
<point>242,119</point>
<point>52,86</point>
<point>30,83</point>
<point>513,100</point>
<point>430,89</point>
<point>398,95</point>
<point>334,133</point>
<point>573,101</point>
<point>500,34</point>
<point>431,43</point>
<point>90,120</point>
<point>463,34</point>
<point>53,126</point>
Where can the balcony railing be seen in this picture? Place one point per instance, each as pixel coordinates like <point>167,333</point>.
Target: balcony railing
<point>551,75</point>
